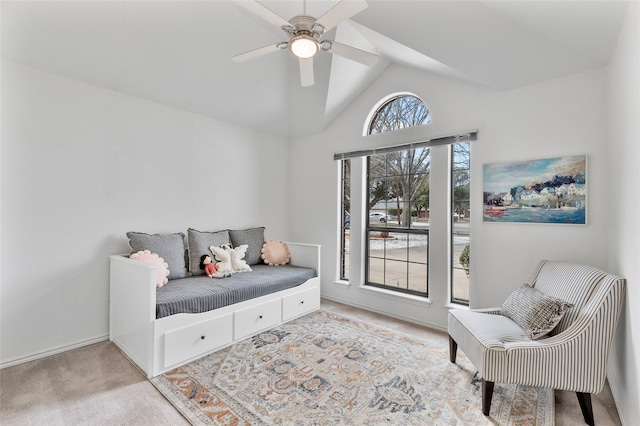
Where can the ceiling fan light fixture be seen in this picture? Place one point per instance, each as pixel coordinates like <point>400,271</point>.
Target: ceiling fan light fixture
<point>304,46</point>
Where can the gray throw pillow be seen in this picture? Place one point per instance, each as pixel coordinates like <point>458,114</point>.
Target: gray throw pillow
<point>534,311</point>
<point>199,243</point>
<point>170,247</point>
<point>254,238</point>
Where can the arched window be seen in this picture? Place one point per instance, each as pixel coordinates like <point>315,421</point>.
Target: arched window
<point>400,210</point>
<point>398,185</point>
<point>399,112</point>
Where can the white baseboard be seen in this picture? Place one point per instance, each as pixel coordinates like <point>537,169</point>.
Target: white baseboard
<point>618,403</point>
<point>45,354</point>
<point>389,314</point>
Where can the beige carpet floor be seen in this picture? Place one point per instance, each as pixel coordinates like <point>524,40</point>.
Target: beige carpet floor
<point>97,385</point>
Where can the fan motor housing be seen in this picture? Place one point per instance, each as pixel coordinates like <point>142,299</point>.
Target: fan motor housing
<point>304,25</point>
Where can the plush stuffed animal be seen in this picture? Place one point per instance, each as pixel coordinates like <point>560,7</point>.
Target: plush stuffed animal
<point>230,259</point>
<point>207,265</point>
<point>210,268</point>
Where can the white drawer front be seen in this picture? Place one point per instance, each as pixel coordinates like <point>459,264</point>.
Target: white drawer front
<point>189,342</point>
<point>300,303</point>
<point>251,320</point>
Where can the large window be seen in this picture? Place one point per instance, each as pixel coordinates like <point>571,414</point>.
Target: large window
<point>412,192</point>
<point>398,188</point>
<point>397,225</point>
<point>345,209</point>
<point>460,224</point>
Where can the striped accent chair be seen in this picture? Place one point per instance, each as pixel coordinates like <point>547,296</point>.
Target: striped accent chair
<point>573,356</point>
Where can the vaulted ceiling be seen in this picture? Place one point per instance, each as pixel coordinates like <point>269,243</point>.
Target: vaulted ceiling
<point>178,53</point>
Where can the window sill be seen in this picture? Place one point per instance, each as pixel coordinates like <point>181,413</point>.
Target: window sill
<point>410,298</point>
<point>342,284</point>
<point>456,306</point>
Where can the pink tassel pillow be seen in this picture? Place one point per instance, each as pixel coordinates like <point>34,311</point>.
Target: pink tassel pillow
<point>162,268</point>
<point>275,253</point>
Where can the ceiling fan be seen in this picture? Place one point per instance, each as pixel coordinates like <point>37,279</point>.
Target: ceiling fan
<point>305,36</point>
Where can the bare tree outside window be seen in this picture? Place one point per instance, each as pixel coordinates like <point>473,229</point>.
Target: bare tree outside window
<point>406,171</point>
<point>399,178</point>
<point>399,113</point>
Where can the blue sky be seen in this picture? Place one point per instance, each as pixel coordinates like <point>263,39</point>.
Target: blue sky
<point>501,177</point>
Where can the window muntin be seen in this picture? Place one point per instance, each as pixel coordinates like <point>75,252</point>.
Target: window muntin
<point>460,223</point>
<point>345,209</point>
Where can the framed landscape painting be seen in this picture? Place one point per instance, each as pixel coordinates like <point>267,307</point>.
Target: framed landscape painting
<point>549,190</point>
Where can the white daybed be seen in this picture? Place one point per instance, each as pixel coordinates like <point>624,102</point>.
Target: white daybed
<point>159,345</point>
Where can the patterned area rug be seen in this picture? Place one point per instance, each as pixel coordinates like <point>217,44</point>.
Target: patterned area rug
<point>327,369</point>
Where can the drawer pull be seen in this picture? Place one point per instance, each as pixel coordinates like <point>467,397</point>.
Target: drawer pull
<point>202,337</point>
<point>302,302</point>
<point>260,317</point>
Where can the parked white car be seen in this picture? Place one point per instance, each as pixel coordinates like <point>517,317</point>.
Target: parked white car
<point>378,217</point>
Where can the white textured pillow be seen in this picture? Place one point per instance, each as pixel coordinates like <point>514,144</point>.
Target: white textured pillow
<point>230,259</point>
<point>162,268</point>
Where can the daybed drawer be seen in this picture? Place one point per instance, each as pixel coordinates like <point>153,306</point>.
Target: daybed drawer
<point>189,342</point>
<point>300,303</point>
<point>256,318</point>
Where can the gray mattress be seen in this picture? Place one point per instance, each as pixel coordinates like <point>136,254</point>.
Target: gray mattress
<point>200,293</point>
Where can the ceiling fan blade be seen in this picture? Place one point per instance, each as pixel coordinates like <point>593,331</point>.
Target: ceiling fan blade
<point>306,72</point>
<point>263,12</point>
<point>255,53</point>
<point>340,12</point>
<point>353,53</point>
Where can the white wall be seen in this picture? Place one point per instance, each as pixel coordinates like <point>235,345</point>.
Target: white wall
<point>80,167</point>
<point>624,203</point>
<point>560,117</point>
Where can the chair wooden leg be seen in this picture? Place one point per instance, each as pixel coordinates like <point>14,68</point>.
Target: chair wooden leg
<point>487,394</point>
<point>453,350</point>
<point>585,404</point>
